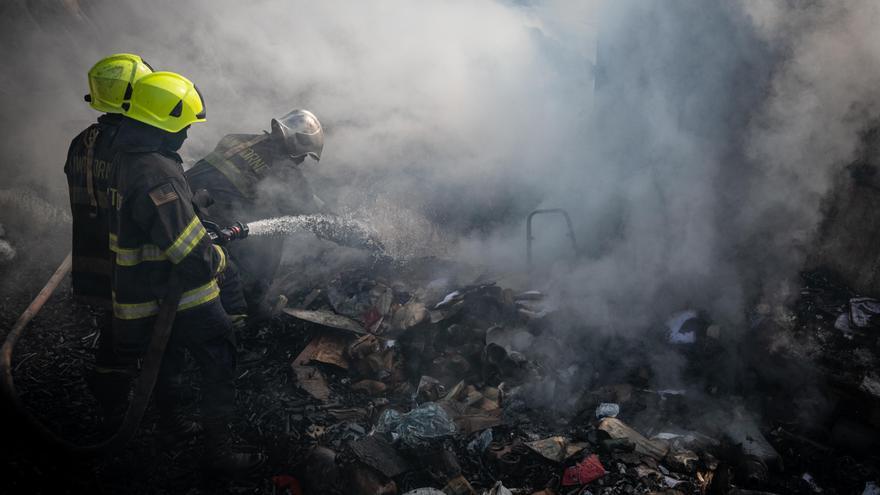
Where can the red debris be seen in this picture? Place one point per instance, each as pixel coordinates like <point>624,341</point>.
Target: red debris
<point>371,319</point>
<point>287,484</point>
<point>586,471</point>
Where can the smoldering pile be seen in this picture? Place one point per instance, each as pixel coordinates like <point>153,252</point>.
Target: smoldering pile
<point>426,383</point>
<point>426,376</point>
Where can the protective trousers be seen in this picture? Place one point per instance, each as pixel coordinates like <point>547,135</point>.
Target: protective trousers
<point>206,334</point>
<point>214,356</point>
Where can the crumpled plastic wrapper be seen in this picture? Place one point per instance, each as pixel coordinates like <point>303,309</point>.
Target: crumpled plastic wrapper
<point>418,427</point>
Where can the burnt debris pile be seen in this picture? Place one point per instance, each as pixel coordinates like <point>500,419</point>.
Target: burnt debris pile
<point>425,377</point>
<point>409,382</point>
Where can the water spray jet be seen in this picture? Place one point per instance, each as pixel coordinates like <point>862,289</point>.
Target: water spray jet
<point>331,228</point>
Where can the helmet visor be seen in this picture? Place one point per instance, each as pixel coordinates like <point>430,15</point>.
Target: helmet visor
<point>306,145</point>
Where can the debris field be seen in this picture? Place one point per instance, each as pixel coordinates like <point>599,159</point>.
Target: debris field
<point>423,377</point>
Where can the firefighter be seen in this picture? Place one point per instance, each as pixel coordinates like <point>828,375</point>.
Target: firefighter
<point>158,241</point>
<point>88,169</point>
<point>254,176</point>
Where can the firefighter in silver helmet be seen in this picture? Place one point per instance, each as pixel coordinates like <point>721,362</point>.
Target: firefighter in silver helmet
<point>254,176</point>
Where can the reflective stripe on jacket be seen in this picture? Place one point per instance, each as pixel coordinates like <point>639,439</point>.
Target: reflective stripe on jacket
<point>190,299</point>
<point>248,179</point>
<point>154,229</point>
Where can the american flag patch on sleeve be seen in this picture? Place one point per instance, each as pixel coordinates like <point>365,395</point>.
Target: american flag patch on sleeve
<point>163,194</point>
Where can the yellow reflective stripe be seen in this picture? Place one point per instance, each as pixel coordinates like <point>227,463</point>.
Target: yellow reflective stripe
<point>134,256</point>
<point>222,265</point>
<point>190,299</point>
<point>186,241</point>
<point>199,296</point>
<point>134,311</point>
<point>182,246</point>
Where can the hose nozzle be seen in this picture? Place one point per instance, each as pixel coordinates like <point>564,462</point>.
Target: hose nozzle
<point>226,235</point>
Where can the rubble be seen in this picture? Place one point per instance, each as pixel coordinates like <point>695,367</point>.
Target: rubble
<point>417,427</point>
<point>312,381</point>
<point>392,382</point>
<point>556,448</point>
<point>459,486</point>
<point>286,485</point>
<point>370,387</point>
<point>327,349</point>
<point>457,363</point>
<point>365,480</point>
<point>743,431</point>
<point>607,410</point>
<point>617,430</point>
<point>429,389</point>
<point>408,316</point>
<point>811,484</point>
<point>586,471</point>
<point>499,489</point>
<point>326,318</point>
<point>683,327</point>
<point>480,442</point>
<point>323,473</point>
<point>863,311</point>
<point>682,461</point>
<point>871,385</point>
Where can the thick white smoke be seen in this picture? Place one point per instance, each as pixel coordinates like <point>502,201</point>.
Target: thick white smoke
<point>690,141</point>
<point>717,134</point>
<point>822,101</point>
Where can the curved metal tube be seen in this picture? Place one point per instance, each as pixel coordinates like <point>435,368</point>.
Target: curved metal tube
<point>530,238</point>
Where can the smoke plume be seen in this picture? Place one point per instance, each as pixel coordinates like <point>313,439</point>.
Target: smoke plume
<point>691,142</point>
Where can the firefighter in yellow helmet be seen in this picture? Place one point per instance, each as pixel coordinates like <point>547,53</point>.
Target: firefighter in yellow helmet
<point>88,168</point>
<point>154,232</point>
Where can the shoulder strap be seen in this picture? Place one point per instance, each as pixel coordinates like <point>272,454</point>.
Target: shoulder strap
<point>91,137</point>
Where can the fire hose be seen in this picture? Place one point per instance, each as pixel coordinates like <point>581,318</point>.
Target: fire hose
<point>151,363</point>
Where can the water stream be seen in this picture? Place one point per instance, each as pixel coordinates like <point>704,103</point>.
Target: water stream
<point>332,228</point>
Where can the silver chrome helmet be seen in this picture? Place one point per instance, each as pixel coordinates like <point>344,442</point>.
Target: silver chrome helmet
<point>300,134</point>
